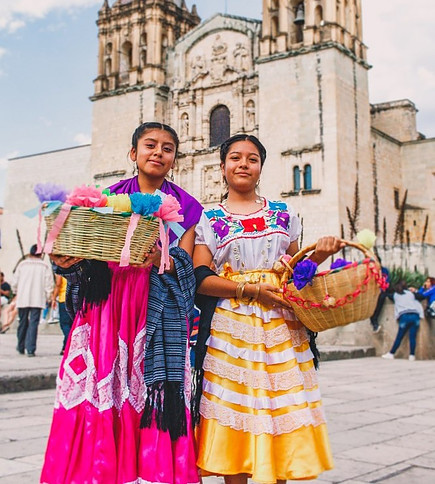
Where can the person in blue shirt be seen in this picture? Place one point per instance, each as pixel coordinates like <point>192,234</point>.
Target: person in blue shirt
<point>427,291</point>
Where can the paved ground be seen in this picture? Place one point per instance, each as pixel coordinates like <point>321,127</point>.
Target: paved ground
<point>381,418</point>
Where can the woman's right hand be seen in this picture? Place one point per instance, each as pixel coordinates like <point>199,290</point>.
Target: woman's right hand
<point>269,295</point>
<point>64,261</point>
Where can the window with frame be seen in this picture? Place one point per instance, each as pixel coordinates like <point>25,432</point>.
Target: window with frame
<point>219,125</point>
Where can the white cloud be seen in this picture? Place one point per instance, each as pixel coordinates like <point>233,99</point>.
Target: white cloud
<point>82,139</point>
<point>2,52</point>
<point>15,13</point>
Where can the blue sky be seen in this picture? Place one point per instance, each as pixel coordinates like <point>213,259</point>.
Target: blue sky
<point>48,59</point>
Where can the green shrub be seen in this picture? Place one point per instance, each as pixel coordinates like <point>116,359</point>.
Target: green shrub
<point>412,278</point>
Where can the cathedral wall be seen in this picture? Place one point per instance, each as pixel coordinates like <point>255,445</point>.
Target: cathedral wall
<point>419,179</point>
<point>387,177</point>
<point>396,118</point>
<point>69,167</point>
<point>355,179</point>
<point>114,120</point>
<point>298,126</point>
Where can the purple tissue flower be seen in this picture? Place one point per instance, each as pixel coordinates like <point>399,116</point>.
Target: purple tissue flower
<point>339,263</point>
<point>303,273</point>
<point>47,192</point>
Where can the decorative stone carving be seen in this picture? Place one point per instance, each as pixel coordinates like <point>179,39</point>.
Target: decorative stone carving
<point>184,131</point>
<point>250,115</point>
<point>218,60</point>
<point>211,184</point>
<point>241,59</point>
<point>198,68</point>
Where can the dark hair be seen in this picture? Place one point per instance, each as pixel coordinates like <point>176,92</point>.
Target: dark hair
<point>432,280</point>
<point>226,145</point>
<point>140,130</point>
<point>400,286</point>
<point>33,249</point>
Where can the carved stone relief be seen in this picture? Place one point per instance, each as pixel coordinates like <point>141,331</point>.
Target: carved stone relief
<point>211,184</point>
<point>241,59</point>
<point>198,68</point>
<point>250,115</point>
<point>218,59</point>
<point>184,131</point>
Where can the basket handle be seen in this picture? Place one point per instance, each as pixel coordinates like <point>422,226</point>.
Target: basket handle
<point>298,256</point>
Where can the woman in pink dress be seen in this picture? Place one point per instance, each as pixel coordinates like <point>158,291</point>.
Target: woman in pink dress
<point>121,411</point>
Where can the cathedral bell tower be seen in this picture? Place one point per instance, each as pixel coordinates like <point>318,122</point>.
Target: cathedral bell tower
<point>133,36</point>
<point>292,24</point>
<point>318,127</point>
<point>130,88</point>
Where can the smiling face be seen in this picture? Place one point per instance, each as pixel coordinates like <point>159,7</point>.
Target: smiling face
<point>242,167</point>
<point>155,154</point>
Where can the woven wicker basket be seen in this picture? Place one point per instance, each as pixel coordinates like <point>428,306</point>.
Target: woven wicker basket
<point>92,235</point>
<point>336,297</point>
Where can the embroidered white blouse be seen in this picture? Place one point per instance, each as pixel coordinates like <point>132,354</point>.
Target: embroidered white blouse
<point>248,242</point>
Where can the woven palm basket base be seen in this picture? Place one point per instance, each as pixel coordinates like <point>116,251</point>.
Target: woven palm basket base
<point>339,296</point>
<point>92,235</point>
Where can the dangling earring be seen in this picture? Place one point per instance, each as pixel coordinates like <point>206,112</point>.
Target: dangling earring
<point>135,169</point>
<point>257,191</point>
<point>171,175</point>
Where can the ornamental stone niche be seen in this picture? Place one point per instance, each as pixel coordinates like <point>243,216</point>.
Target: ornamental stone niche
<point>211,190</point>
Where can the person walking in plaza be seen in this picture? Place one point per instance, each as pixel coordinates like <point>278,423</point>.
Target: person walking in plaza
<point>122,401</point>
<point>408,312</point>
<point>58,299</point>
<point>33,285</point>
<point>261,414</point>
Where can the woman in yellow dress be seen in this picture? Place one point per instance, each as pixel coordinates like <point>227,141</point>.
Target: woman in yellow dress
<point>261,414</point>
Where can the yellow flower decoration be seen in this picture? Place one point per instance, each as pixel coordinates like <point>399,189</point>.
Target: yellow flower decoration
<point>366,238</point>
<point>120,203</point>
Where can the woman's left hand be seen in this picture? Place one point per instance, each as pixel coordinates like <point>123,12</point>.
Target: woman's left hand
<point>325,247</point>
<point>152,257</point>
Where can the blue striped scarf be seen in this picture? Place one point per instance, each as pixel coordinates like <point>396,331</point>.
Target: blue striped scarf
<point>169,317</point>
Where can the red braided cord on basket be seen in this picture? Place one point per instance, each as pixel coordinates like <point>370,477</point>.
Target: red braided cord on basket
<point>371,273</point>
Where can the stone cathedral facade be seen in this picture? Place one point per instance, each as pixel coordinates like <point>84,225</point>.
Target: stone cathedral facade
<point>297,79</point>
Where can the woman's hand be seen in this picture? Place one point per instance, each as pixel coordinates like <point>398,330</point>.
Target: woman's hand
<point>153,257</point>
<point>325,247</point>
<point>268,294</point>
<point>64,261</point>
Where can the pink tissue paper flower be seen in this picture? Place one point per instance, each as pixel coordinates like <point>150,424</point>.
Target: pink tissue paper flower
<point>87,196</point>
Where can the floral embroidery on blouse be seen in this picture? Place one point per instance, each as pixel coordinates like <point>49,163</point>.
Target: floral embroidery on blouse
<point>274,217</point>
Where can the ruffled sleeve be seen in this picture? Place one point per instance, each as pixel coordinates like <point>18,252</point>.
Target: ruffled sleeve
<point>294,226</point>
<point>204,234</point>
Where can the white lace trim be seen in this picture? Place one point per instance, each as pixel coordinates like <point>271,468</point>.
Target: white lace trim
<point>261,379</point>
<point>261,424</point>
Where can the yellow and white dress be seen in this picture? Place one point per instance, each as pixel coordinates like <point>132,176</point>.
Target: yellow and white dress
<point>261,410</point>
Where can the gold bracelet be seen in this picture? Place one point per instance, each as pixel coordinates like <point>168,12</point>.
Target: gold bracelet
<point>257,292</point>
<point>239,293</point>
<point>239,289</point>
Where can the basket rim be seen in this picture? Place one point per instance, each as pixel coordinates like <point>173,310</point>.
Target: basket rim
<point>326,272</point>
<point>95,210</point>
